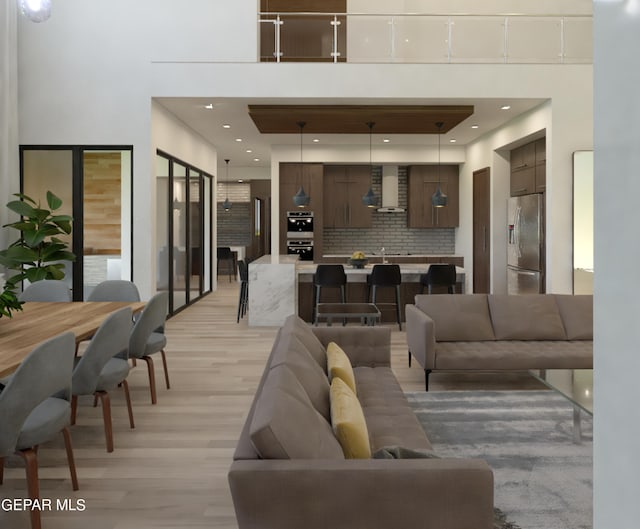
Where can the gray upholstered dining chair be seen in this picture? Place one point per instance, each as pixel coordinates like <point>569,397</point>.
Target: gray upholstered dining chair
<point>46,290</point>
<point>145,339</point>
<point>115,290</point>
<point>30,416</point>
<point>103,366</point>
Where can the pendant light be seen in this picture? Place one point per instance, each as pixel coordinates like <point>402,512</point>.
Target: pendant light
<point>370,200</point>
<point>439,199</point>
<point>301,199</point>
<point>35,10</point>
<point>227,203</point>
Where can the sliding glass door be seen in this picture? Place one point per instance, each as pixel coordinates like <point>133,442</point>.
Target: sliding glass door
<point>95,185</point>
<point>183,235</point>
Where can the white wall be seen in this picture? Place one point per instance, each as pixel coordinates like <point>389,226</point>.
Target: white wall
<point>617,253</point>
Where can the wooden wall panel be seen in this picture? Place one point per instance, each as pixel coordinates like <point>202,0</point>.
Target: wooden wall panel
<point>303,6</point>
<point>102,203</point>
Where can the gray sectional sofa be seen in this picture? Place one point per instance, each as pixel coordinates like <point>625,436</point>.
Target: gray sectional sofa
<point>289,471</point>
<point>500,332</point>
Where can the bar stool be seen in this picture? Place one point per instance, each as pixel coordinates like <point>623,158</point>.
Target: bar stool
<point>385,275</point>
<point>224,253</point>
<point>439,275</point>
<point>243,300</point>
<point>328,276</point>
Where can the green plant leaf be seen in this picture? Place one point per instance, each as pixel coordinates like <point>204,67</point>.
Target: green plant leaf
<point>21,225</point>
<point>64,225</point>
<point>35,274</point>
<point>22,208</point>
<point>60,255</point>
<point>22,196</point>
<point>55,271</point>
<point>20,254</point>
<point>53,201</point>
<point>33,238</point>
<point>41,215</point>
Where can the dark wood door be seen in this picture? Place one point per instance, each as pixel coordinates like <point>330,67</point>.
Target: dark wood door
<point>481,231</point>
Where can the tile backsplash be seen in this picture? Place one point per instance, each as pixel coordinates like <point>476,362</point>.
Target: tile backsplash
<point>390,230</point>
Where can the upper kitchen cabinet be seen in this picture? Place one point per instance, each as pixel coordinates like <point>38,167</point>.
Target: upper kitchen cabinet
<point>344,186</point>
<point>528,168</point>
<point>422,184</point>
<point>291,177</point>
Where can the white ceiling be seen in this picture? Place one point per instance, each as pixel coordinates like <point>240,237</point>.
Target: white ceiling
<point>233,111</point>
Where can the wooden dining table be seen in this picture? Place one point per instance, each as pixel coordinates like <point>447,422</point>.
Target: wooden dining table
<point>38,321</point>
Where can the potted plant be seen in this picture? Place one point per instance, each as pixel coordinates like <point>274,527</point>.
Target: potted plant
<point>39,253</point>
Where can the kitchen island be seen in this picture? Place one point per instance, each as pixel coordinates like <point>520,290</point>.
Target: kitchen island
<point>357,291</point>
<point>272,289</point>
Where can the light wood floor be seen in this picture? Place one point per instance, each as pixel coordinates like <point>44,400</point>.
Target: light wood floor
<point>171,470</point>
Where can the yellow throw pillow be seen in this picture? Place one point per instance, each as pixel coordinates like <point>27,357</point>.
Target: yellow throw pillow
<point>338,365</point>
<point>348,421</point>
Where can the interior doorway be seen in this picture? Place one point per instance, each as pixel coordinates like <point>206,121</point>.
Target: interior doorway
<point>482,231</point>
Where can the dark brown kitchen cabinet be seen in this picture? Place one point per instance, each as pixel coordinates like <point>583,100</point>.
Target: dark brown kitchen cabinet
<point>528,168</point>
<point>541,165</point>
<point>310,176</point>
<point>422,184</point>
<point>344,186</point>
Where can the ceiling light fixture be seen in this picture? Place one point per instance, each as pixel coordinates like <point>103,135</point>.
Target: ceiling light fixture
<point>238,140</point>
<point>439,199</point>
<point>301,199</point>
<point>226,126</point>
<point>453,140</point>
<point>35,10</point>
<point>386,140</point>
<point>474,126</point>
<point>227,204</point>
<point>505,107</point>
<point>316,140</point>
<point>256,159</point>
<point>370,200</point>
<point>248,151</point>
<point>209,106</point>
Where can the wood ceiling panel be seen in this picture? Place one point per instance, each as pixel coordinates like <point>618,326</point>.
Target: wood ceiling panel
<point>352,119</point>
<point>303,6</point>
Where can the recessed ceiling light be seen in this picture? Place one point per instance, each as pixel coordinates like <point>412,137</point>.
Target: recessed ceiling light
<point>240,180</point>
<point>248,150</point>
<point>238,139</point>
<point>452,140</point>
<point>226,126</point>
<point>316,140</point>
<point>386,140</point>
<point>256,159</point>
<point>474,126</point>
<point>505,107</point>
<point>209,106</point>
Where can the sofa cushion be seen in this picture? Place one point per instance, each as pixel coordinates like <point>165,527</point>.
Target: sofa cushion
<point>303,332</point>
<point>285,424</point>
<point>577,315</point>
<point>289,350</point>
<point>348,421</point>
<point>339,365</point>
<point>458,318</point>
<point>526,317</point>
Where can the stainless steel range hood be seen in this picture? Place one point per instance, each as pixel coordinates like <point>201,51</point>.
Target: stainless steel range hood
<point>390,190</point>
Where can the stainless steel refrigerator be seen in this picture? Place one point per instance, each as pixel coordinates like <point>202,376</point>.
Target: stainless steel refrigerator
<point>525,245</point>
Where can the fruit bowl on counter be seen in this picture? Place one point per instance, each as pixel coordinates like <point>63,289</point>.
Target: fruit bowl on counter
<point>358,260</point>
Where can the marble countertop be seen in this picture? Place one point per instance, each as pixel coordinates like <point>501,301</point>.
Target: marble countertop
<point>275,260</point>
<point>375,254</point>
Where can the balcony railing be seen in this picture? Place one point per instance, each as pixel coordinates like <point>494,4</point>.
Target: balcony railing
<point>422,38</point>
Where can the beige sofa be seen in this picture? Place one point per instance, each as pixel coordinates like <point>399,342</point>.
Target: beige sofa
<point>289,471</point>
<point>500,332</point>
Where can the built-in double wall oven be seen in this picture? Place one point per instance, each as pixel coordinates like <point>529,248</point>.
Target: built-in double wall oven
<point>300,234</point>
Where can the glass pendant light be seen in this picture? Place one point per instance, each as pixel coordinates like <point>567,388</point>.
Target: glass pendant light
<point>227,203</point>
<point>439,199</point>
<point>35,10</point>
<point>301,199</point>
<point>370,200</point>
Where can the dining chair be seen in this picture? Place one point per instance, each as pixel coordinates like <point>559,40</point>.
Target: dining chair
<point>46,290</point>
<point>103,366</point>
<point>145,340</point>
<point>30,415</point>
<point>115,290</point>
<point>439,275</point>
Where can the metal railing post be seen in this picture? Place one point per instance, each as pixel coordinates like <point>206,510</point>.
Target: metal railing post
<point>278,22</point>
<point>335,23</point>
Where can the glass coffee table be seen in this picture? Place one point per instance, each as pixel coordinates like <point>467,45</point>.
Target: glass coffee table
<point>366,312</point>
<point>576,385</point>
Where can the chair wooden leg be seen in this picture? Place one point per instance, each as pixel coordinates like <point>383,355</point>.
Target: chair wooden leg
<point>409,358</point>
<point>74,409</point>
<point>105,401</point>
<point>166,371</point>
<point>70,460</point>
<point>152,378</point>
<point>427,372</point>
<point>30,457</point>
<point>127,396</point>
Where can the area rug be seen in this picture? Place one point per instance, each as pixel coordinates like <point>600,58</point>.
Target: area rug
<point>543,480</point>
